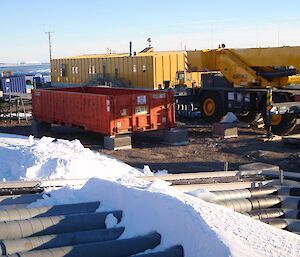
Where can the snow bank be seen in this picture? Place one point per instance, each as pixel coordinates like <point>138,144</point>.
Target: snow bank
<point>27,158</point>
<point>202,228</point>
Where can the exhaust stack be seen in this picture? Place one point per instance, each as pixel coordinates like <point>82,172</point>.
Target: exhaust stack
<point>130,48</point>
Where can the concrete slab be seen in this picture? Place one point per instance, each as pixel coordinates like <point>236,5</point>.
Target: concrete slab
<point>117,142</point>
<point>225,130</point>
<point>176,137</point>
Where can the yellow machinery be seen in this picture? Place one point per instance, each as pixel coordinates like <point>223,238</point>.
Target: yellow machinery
<point>248,82</point>
<point>251,67</point>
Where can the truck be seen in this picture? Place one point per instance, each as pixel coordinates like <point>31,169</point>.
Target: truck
<point>249,82</point>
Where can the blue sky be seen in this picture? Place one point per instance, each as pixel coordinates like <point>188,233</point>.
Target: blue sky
<point>92,26</point>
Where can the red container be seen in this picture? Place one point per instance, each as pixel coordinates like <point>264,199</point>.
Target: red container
<point>109,111</point>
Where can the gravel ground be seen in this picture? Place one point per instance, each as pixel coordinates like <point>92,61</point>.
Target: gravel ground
<point>204,152</point>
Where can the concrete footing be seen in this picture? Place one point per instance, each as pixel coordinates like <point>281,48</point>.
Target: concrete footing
<point>117,142</point>
<point>40,129</point>
<point>176,137</point>
<point>225,130</point>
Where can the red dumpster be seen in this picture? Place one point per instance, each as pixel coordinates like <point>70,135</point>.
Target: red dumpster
<point>108,111</point>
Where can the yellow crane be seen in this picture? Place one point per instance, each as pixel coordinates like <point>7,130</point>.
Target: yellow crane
<point>247,82</point>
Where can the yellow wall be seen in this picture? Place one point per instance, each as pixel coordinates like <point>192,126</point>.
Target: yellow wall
<point>166,66</point>
<point>146,70</point>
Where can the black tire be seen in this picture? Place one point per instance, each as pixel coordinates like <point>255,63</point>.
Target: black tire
<point>216,113</point>
<point>288,122</point>
<point>252,115</point>
<point>287,125</point>
<point>248,117</point>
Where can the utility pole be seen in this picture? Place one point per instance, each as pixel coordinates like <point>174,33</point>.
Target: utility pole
<point>49,33</point>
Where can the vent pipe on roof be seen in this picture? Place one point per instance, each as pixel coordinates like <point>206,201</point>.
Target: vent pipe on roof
<point>130,48</point>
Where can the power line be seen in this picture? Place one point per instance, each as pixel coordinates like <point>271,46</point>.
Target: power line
<point>49,33</point>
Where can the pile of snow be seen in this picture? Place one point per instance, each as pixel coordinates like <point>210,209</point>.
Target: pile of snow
<point>30,159</point>
<point>229,118</point>
<point>202,228</point>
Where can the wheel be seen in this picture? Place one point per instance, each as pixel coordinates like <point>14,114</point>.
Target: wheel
<point>248,117</point>
<point>212,107</point>
<point>251,115</point>
<point>283,124</point>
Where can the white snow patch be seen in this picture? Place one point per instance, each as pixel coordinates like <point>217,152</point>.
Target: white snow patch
<point>229,118</point>
<point>111,221</point>
<point>204,195</point>
<point>27,158</point>
<point>161,172</point>
<point>147,171</point>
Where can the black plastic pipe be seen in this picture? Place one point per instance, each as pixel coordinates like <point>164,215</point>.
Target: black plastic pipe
<point>54,225</point>
<point>51,241</point>
<point>116,248</point>
<point>44,211</point>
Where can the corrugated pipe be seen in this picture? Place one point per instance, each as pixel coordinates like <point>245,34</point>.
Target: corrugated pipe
<point>277,223</point>
<point>291,225</point>
<point>247,205</point>
<point>43,211</point>
<point>65,239</point>
<point>243,193</point>
<point>54,225</point>
<point>117,248</point>
<point>266,213</point>
<point>275,213</point>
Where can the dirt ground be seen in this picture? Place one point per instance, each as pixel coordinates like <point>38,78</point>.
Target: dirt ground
<point>204,152</point>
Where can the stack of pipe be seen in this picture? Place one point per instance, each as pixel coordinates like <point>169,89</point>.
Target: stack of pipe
<point>68,230</point>
<point>275,205</point>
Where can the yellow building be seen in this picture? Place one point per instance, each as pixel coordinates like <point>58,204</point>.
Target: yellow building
<point>144,70</point>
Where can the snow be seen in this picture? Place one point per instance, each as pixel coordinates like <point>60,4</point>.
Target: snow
<point>30,159</point>
<point>229,118</point>
<point>111,221</point>
<point>202,228</point>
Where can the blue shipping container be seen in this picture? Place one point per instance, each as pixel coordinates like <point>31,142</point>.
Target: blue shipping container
<point>38,80</point>
<point>15,84</point>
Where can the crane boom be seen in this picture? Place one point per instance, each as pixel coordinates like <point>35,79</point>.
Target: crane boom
<point>262,67</point>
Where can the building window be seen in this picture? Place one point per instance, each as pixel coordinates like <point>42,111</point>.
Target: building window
<point>74,70</point>
<point>92,69</point>
<point>134,68</point>
<point>63,70</point>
